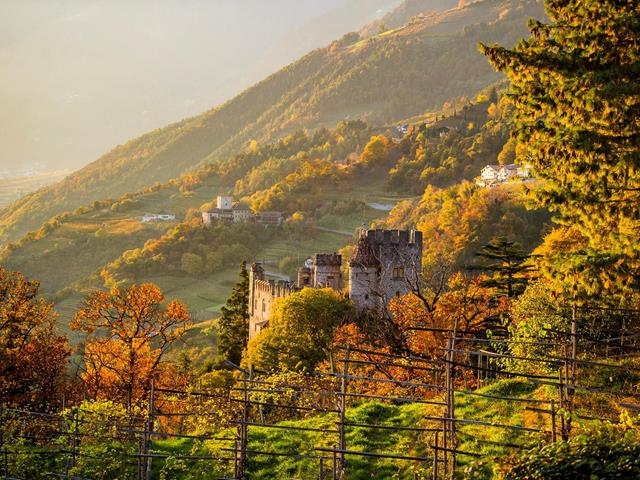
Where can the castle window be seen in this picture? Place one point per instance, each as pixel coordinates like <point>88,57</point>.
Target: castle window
<point>398,273</point>
<point>366,296</point>
<point>264,306</point>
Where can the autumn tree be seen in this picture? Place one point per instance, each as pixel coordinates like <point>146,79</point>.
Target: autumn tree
<point>130,331</point>
<point>233,325</point>
<point>300,331</point>
<point>575,85</point>
<point>191,263</point>
<point>376,152</point>
<point>464,305</point>
<point>33,358</point>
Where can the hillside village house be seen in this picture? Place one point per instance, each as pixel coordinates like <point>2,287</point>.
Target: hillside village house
<point>242,213</point>
<point>507,172</point>
<point>228,211</point>
<point>269,218</point>
<point>492,174</point>
<point>524,171</point>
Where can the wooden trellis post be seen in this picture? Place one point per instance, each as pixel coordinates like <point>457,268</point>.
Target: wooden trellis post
<point>343,406</point>
<point>148,433</point>
<point>435,457</point>
<point>553,421</point>
<point>241,456</point>
<point>5,469</point>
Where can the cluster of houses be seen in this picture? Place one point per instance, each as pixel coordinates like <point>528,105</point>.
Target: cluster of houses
<point>496,174</point>
<point>227,210</point>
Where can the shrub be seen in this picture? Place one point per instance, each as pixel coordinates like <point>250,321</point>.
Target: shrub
<point>605,452</point>
<point>300,331</point>
<point>191,263</point>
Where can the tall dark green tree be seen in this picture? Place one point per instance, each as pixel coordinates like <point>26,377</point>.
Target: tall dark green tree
<point>504,260</point>
<point>575,84</point>
<point>233,325</point>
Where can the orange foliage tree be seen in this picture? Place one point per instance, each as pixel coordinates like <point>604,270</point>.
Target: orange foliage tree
<point>33,358</point>
<point>130,330</point>
<point>465,305</point>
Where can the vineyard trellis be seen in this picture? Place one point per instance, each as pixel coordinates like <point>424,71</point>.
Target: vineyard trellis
<point>441,384</point>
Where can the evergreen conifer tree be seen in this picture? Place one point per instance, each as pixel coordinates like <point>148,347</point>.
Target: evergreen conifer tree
<point>233,325</point>
<point>505,261</point>
<point>576,88</point>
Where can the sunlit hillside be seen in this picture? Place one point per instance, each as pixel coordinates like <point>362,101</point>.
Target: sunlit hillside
<point>385,78</point>
<point>326,183</point>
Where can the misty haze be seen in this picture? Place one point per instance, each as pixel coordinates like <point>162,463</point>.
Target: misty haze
<point>319,239</point>
<point>78,77</point>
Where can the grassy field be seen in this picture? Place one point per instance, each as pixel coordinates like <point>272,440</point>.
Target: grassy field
<point>83,247</point>
<point>475,439</point>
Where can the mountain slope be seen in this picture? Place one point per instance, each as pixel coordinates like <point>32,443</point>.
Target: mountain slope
<point>73,85</point>
<point>391,76</point>
<point>327,183</point>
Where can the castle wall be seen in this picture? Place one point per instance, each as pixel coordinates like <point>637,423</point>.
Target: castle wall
<point>388,258</point>
<point>304,277</point>
<point>363,282</point>
<point>262,297</point>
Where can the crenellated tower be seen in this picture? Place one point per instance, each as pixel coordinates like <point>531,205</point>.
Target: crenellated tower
<point>385,264</point>
<point>326,271</point>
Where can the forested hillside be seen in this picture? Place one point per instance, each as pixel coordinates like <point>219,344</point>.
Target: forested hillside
<point>326,182</point>
<point>394,75</point>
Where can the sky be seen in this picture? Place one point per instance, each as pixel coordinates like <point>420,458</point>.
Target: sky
<point>78,77</point>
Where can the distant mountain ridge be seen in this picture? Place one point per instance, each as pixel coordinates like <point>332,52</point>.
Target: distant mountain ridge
<point>407,10</point>
<point>390,76</point>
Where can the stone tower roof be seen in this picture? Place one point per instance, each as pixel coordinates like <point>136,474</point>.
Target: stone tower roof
<point>363,254</point>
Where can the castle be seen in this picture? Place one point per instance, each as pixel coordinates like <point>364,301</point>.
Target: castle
<point>383,265</point>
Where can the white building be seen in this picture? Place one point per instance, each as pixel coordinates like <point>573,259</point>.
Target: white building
<point>507,172</point>
<point>217,214</point>
<point>242,213</point>
<point>524,171</point>
<point>224,202</point>
<point>228,212</point>
<point>490,173</point>
<point>269,218</point>
<point>161,217</point>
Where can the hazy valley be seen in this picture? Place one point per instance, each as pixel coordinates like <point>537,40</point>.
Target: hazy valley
<point>411,253</point>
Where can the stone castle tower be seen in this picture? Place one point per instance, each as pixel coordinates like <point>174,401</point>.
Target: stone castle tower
<point>383,265</point>
<point>321,271</point>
